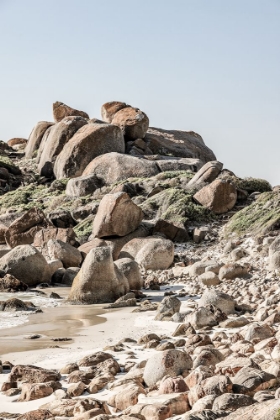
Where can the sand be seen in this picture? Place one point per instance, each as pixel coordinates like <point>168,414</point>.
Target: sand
<point>91,329</point>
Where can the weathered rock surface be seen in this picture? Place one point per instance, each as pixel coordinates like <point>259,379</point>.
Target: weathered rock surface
<point>219,196</point>
<point>66,253</point>
<point>171,231</point>
<point>208,173</point>
<point>169,362</point>
<point>202,317</point>
<point>58,136</point>
<point>152,253</point>
<point>131,271</point>
<point>83,185</point>
<point>133,122</point>
<point>109,109</point>
<point>23,230</point>
<point>113,167</point>
<point>10,284</point>
<point>169,306</point>
<point>178,143</point>
<point>35,138</point>
<point>27,264</point>
<point>88,142</point>
<point>219,299</point>
<point>60,111</point>
<point>117,215</point>
<point>99,280</point>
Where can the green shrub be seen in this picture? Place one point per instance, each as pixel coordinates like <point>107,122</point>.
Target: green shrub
<point>258,218</point>
<point>175,205</point>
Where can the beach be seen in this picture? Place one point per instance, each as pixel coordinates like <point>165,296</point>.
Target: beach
<point>90,328</point>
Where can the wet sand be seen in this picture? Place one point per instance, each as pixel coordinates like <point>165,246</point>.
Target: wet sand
<point>63,321</point>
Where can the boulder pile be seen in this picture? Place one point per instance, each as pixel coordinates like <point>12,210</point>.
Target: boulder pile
<point>110,207</point>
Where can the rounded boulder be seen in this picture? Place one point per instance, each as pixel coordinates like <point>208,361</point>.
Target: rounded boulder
<point>169,362</point>
<point>27,264</point>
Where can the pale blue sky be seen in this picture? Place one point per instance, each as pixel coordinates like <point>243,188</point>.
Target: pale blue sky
<point>212,66</point>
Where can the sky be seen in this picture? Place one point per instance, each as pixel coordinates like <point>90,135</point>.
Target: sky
<point>211,66</point>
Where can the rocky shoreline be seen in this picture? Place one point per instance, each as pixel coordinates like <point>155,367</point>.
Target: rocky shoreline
<point>180,254</point>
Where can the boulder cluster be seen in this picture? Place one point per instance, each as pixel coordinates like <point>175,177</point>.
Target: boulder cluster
<point>115,165</point>
<point>109,207</point>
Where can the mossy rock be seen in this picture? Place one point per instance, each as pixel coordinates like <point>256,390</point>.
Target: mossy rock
<point>25,197</point>
<point>21,198</point>
<point>277,415</point>
<point>5,148</point>
<point>253,185</point>
<point>262,216</point>
<point>249,184</point>
<point>175,174</point>
<point>175,205</point>
<point>8,164</point>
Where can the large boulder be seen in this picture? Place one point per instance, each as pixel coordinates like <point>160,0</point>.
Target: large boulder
<point>117,243</point>
<point>219,196</point>
<point>83,185</point>
<point>61,110</point>
<point>35,138</point>
<point>133,122</point>
<point>66,253</point>
<point>167,164</point>
<point>186,144</point>
<point>172,231</point>
<point>216,384</point>
<point>169,306</point>
<point>114,167</point>
<point>219,299</point>
<point>59,135</point>
<point>33,374</point>
<point>169,362</point>
<point>109,109</point>
<point>131,271</point>
<point>250,380</point>
<point>259,411</point>
<point>200,318</point>
<point>231,402</point>
<point>207,173</point>
<point>27,264</point>
<point>10,284</point>
<point>43,236</point>
<point>17,143</point>
<point>117,215</point>
<point>23,230</point>
<point>256,332</point>
<point>233,270</point>
<point>274,261</point>
<point>88,142</point>
<point>152,253</point>
<point>99,280</point>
